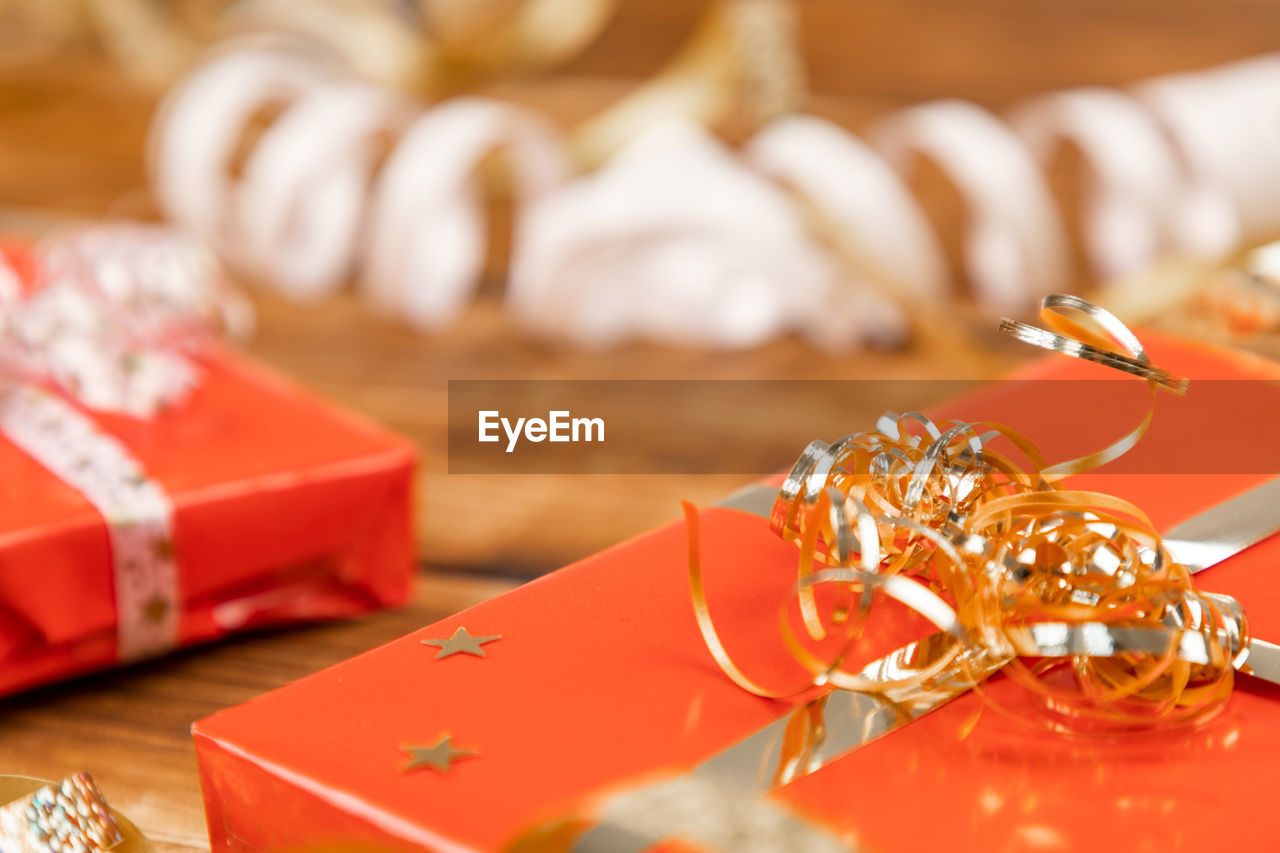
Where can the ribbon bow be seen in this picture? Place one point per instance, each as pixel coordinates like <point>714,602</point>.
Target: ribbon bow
<point>111,313</point>
<point>1070,593</point>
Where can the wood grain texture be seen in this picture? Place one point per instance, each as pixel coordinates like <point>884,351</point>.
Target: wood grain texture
<point>71,142</point>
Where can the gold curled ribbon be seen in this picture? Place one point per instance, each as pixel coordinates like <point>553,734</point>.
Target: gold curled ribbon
<point>1072,594</point>
<point>1096,340</point>
<point>740,63</point>
<point>742,57</point>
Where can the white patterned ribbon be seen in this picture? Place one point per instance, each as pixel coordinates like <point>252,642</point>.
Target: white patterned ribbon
<point>138,514</point>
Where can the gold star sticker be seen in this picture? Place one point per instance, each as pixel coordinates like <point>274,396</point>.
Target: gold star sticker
<point>461,643</point>
<point>439,756</point>
<point>156,610</point>
<point>163,549</point>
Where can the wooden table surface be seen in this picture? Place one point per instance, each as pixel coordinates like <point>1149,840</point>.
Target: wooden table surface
<point>71,137</point>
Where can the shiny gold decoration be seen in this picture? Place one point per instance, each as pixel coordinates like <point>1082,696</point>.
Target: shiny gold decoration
<point>742,62</point>
<point>474,39</point>
<point>1206,300</point>
<point>1072,594</point>
<point>461,643</point>
<point>436,47</point>
<point>61,816</point>
<point>152,40</point>
<point>440,756</point>
<point>1003,561</point>
<point>432,46</point>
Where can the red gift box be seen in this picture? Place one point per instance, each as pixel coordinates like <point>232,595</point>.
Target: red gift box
<point>283,509</point>
<point>598,686</point>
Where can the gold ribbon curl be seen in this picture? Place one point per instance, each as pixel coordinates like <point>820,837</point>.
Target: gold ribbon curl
<point>1071,594</point>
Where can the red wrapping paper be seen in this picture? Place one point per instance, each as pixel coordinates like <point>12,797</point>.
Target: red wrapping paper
<point>601,681</point>
<point>284,509</point>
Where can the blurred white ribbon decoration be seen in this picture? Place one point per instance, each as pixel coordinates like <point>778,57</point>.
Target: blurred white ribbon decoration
<point>1015,248</point>
<point>275,157</point>
<point>426,239</point>
<point>1134,183</point>
<point>675,240</point>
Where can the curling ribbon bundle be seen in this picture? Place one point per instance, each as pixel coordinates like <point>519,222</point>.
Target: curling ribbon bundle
<point>1071,594</point>
<point>297,172</point>
<point>935,533</point>
<point>110,316</point>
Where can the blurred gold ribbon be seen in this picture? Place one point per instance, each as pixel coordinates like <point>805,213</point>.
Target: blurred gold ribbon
<point>742,62</point>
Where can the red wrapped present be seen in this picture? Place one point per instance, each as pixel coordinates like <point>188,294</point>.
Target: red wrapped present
<point>585,711</point>
<point>235,500</point>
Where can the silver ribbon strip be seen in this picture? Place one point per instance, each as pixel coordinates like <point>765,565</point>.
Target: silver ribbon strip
<point>1227,529</point>
<point>695,808</point>
<point>718,805</point>
<point>137,512</point>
